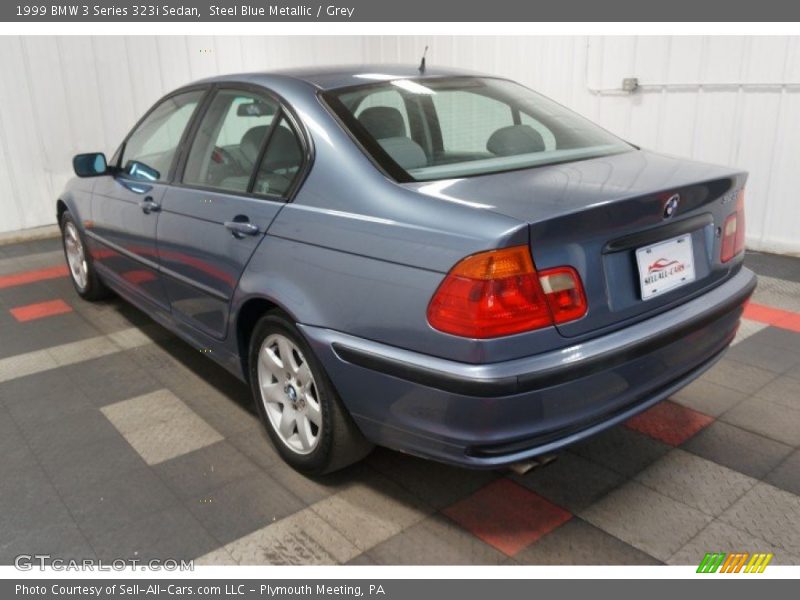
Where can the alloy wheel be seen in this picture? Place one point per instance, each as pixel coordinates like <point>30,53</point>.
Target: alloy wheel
<point>289,394</point>
<point>76,256</point>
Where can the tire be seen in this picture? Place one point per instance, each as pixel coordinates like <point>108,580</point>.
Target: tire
<point>282,390</point>
<point>79,262</point>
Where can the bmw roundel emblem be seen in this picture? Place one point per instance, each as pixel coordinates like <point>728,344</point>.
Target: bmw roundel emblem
<point>671,206</point>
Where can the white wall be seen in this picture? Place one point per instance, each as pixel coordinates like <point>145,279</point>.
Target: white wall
<point>729,100</point>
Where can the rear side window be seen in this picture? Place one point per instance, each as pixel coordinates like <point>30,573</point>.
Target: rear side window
<point>229,141</point>
<point>281,163</point>
<point>151,148</point>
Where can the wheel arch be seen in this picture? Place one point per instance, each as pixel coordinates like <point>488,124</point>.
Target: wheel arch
<point>61,208</point>
<point>247,316</point>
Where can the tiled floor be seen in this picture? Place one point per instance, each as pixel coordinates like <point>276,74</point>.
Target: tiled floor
<point>119,441</point>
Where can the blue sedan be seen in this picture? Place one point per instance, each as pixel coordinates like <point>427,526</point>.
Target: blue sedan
<point>440,262</point>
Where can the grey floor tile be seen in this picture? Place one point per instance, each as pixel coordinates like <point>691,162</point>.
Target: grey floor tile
<point>243,506</point>
<point>53,406</point>
<point>63,541</point>
<point>780,338</point>
<point>89,464</point>
<point>765,356</point>
<point>362,560</point>
<point>647,520</point>
<point>120,500</point>
<point>201,471</point>
<point>112,378</point>
<point>256,445</point>
<point>218,557</point>
<point>621,450</point>
<point>17,458</point>
<point>437,484</point>
<point>747,328</point>
<point>738,376</point>
<point>778,293</point>
<point>226,415</point>
<point>79,428</point>
<point>303,538</point>
<point>738,449</point>
<point>435,541</point>
<point>784,391</point>
<point>777,422</point>
<point>709,398</point>
<point>773,265</point>
<point>30,502</point>
<point>315,489</point>
<point>45,333</point>
<point>769,513</point>
<point>22,249</point>
<point>695,481</point>
<point>720,536</point>
<point>368,514</point>
<point>173,533</point>
<point>572,482</point>
<point>787,474</point>
<point>46,384</point>
<point>577,542</point>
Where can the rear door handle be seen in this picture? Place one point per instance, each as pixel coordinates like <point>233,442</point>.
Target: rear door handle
<point>239,229</point>
<point>148,205</point>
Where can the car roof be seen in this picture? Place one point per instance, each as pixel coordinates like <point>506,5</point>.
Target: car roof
<point>340,76</point>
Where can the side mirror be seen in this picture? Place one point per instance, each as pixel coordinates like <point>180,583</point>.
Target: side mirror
<point>90,165</point>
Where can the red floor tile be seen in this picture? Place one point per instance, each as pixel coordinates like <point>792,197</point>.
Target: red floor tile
<point>30,312</point>
<point>785,319</point>
<point>507,516</point>
<point>670,423</point>
<point>24,277</point>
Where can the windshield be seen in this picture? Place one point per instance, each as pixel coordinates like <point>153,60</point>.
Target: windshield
<point>426,129</point>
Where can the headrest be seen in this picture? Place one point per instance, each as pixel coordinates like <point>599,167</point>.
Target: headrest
<point>515,139</point>
<point>251,142</point>
<point>405,152</point>
<point>383,122</point>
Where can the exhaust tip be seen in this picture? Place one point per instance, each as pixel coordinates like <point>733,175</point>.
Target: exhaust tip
<point>525,466</point>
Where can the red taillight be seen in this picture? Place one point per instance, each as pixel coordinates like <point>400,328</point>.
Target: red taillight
<point>564,292</point>
<point>499,292</point>
<point>733,232</point>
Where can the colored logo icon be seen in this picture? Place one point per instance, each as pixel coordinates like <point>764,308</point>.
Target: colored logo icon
<point>735,562</point>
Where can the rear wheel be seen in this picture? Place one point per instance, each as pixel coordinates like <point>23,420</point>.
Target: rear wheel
<point>81,270</point>
<point>297,403</point>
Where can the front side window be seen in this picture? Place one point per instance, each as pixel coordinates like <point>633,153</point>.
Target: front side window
<point>150,149</point>
<point>464,126</point>
<point>229,141</point>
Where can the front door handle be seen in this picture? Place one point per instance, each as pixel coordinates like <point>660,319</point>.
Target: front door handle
<point>148,205</point>
<point>239,229</point>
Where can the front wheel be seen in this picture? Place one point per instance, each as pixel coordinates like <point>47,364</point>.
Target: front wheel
<point>297,403</point>
<point>81,270</point>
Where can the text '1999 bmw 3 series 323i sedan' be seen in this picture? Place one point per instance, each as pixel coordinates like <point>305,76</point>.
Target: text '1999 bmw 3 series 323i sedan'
<point>443,263</point>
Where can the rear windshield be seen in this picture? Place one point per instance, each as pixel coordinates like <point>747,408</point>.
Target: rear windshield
<point>426,129</point>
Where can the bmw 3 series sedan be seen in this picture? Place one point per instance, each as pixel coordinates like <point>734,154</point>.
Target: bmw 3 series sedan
<point>439,262</point>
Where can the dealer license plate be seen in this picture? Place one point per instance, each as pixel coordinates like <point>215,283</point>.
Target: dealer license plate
<point>665,266</point>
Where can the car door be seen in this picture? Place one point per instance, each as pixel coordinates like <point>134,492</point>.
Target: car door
<point>236,175</point>
<point>126,204</point>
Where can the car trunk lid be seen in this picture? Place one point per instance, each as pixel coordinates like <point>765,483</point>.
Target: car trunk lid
<point>595,214</point>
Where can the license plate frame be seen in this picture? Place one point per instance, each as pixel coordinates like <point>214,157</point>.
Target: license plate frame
<point>665,266</point>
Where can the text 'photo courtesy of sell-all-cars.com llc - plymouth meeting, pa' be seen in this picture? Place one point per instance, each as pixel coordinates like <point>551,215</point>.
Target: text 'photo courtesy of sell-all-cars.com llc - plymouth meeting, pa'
<point>440,262</point>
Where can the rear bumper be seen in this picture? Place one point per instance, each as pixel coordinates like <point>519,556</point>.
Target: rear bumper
<point>493,414</point>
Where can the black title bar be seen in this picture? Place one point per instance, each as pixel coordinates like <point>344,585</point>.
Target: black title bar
<point>401,11</point>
